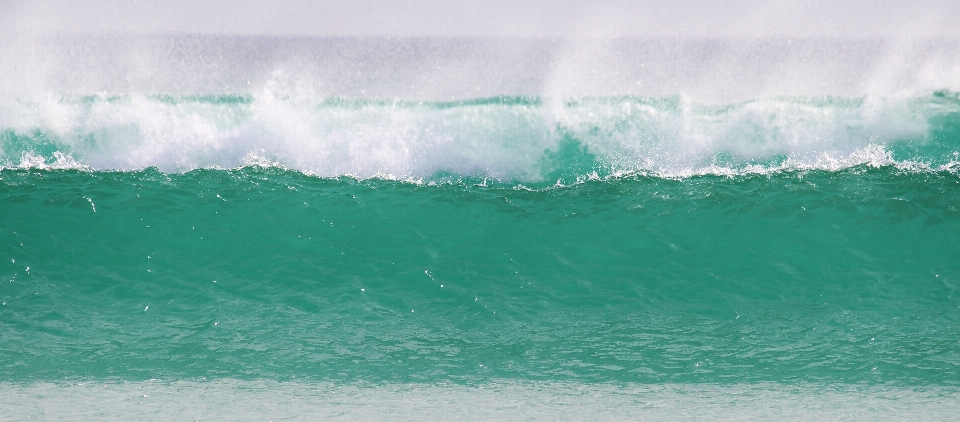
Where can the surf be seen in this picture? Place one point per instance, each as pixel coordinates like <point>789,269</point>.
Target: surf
<point>501,138</point>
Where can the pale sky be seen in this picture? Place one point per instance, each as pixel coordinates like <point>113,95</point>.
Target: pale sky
<point>489,18</point>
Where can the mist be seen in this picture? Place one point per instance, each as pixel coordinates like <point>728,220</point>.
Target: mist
<point>472,18</point>
<point>716,50</point>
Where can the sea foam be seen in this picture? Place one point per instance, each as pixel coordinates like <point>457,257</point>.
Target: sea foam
<point>509,110</point>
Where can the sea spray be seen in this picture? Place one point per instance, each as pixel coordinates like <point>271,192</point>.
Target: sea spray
<point>505,138</point>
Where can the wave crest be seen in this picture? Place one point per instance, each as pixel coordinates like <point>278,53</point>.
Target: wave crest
<point>525,139</point>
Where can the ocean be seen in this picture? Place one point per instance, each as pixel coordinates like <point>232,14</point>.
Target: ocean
<point>268,228</point>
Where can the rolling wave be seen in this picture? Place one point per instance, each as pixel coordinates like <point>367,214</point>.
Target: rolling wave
<point>503,138</point>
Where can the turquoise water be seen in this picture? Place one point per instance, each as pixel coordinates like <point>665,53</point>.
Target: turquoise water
<point>845,276</point>
<point>641,251</point>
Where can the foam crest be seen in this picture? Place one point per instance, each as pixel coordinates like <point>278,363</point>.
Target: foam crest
<point>59,161</point>
<point>509,110</point>
<point>502,138</point>
<point>256,159</point>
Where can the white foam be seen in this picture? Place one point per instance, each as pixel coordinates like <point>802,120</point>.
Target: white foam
<point>286,122</point>
<point>284,126</point>
<point>256,159</point>
<point>60,161</point>
<point>666,106</point>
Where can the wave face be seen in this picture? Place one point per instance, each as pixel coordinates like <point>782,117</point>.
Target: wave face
<point>846,276</point>
<point>373,215</point>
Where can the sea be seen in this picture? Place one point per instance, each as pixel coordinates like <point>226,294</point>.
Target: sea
<point>269,228</point>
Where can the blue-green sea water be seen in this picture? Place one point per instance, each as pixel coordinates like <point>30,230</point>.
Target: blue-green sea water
<point>270,242</point>
<point>846,276</point>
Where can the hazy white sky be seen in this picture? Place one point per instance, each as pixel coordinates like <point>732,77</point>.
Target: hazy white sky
<point>496,18</point>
